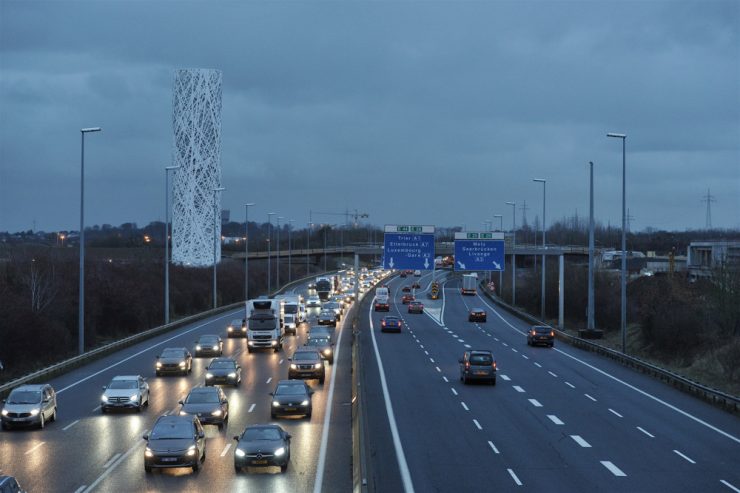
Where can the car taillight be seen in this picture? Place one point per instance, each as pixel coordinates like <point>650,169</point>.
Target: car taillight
<point>467,364</point>
<point>552,333</point>
<point>493,365</point>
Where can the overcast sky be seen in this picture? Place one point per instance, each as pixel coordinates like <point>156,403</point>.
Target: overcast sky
<point>413,112</point>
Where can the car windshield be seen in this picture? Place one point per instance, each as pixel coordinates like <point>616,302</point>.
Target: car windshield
<point>304,356</point>
<point>332,305</point>
<point>236,323</point>
<point>261,434</point>
<point>25,397</point>
<point>172,430</point>
<point>317,342</point>
<point>202,398</point>
<point>391,320</point>
<point>542,330</point>
<point>291,309</point>
<point>478,310</point>
<point>290,390</point>
<point>481,359</point>
<point>173,353</point>
<point>123,384</point>
<point>262,323</point>
<point>208,340</point>
<point>222,365</point>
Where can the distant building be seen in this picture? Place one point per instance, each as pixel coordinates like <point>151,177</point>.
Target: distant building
<point>705,256</point>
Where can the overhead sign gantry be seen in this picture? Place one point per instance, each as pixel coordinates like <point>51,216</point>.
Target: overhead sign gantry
<point>479,251</point>
<point>408,247</point>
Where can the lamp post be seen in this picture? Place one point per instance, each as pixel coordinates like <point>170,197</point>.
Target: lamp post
<point>215,240</point>
<point>500,273</point>
<point>81,304</point>
<point>167,170</point>
<point>500,221</point>
<point>544,210</point>
<point>624,240</point>
<point>277,260</point>
<point>513,254</point>
<point>590,312</point>
<point>308,246</point>
<point>246,255</point>
<point>326,226</point>
<point>269,262</point>
<point>290,249</point>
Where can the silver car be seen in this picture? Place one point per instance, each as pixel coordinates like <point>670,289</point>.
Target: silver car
<point>125,392</point>
<point>29,405</point>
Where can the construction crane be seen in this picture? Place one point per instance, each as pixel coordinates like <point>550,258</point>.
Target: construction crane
<point>347,214</point>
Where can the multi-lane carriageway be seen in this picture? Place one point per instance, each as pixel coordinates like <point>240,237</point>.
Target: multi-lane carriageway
<point>558,419</point>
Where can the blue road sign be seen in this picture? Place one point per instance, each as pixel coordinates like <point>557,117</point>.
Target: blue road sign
<point>408,247</point>
<point>479,251</point>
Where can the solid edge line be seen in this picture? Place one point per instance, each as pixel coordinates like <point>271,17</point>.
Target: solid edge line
<point>408,486</point>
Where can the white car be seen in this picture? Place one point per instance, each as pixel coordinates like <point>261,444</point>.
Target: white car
<point>125,392</point>
<point>313,301</point>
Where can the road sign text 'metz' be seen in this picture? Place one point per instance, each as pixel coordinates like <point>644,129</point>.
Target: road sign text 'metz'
<point>479,251</point>
<point>408,247</point>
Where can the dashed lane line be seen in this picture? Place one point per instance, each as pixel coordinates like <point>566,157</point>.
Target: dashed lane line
<point>535,402</point>
<point>580,441</point>
<point>615,413</point>
<point>445,379</point>
<point>251,408</point>
<point>537,365</point>
<point>493,447</point>
<point>518,389</point>
<point>437,367</point>
<point>269,380</point>
<point>551,373</point>
<point>687,458</point>
<point>225,450</point>
<point>34,448</point>
<point>729,486</point>
<point>111,461</point>
<point>645,432</point>
<point>464,406</point>
<point>477,424</point>
<point>70,425</point>
<point>570,385</point>
<point>467,346</point>
<point>505,377</point>
<point>590,397</point>
<point>513,476</point>
<point>612,468</point>
<point>555,419</point>
<point>113,465</point>
<point>525,356</point>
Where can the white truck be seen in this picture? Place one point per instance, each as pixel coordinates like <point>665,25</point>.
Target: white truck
<point>265,326</point>
<point>469,283</point>
<point>381,299</point>
<point>294,313</point>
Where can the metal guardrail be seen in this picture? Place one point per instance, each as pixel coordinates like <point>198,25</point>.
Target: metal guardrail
<point>714,396</point>
<point>99,352</point>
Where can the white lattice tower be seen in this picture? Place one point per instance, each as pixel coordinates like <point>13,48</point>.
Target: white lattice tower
<point>196,148</point>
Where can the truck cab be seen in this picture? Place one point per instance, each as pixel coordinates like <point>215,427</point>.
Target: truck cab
<point>265,324</point>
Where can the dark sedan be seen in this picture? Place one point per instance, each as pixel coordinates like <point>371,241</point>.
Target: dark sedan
<point>209,345</point>
<point>406,289</point>
<point>291,398</point>
<point>262,445</point>
<point>477,315</point>
<point>174,360</point>
<point>388,324</point>
<point>539,334</point>
<point>327,317</point>
<point>323,345</point>
<point>209,404</point>
<point>223,371</point>
<point>175,441</point>
<point>416,307</point>
<point>237,328</point>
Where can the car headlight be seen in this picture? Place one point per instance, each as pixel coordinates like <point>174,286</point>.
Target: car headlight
<point>209,375</point>
<point>197,348</point>
<point>217,412</point>
<point>251,343</point>
<point>182,364</point>
<point>232,375</point>
<point>239,453</point>
<point>159,365</point>
<point>244,329</point>
<point>304,403</point>
<point>183,413</point>
<point>317,365</point>
<point>191,451</point>
<point>215,348</point>
<point>148,452</point>
<point>279,452</point>
<point>275,404</point>
<point>293,366</point>
<point>34,412</point>
<point>4,412</point>
<point>274,343</point>
<point>135,397</point>
<point>230,329</point>
<point>104,398</point>
<point>327,351</point>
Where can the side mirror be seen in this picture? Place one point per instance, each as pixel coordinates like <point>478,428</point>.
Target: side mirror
<point>271,393</point>
<point>332,343</point>
<point>47,399</point>
<point>236,437</point>
<point>181,402</point>
<point>288,436</point>
<point>290,359</point>
<point>104,387</point>
<point>146,437</point>
<point>207,368</point>
<point>311,392</point>
<point>201,434</point>
<point>224,401</point>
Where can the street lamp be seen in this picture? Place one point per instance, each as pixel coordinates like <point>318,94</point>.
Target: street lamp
<point>269,248</point>
<point>624,240</point>
<point>501,221</point>
<point>544,203</point>
<point>326,226</point>
<point>81,305</point>
<point>215,239</point>
<point>308,245</point>
<point>513,253</point>
<point>246,255</point>
<point>167,170</point>
<point>278,252</point>
<point>590,312</point>
<point>290,249</point>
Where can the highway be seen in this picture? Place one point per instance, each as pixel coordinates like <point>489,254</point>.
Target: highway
<point>85,450</point>
<point>558,419</point>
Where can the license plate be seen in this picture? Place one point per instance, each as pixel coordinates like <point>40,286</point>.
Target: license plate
<point>290,409</point>
<point>263,461</point>
<point>169,459</point>
<point>481,373</point>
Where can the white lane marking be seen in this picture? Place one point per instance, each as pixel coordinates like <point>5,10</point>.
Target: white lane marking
<point>437,367</point>
<point>421,345</point>
<point>590,397</point>
<point>518,389</point>
<point>729,485</point>
<point>505,344</point>
<point>96,409</point>
<point>555,419</point>
<point>80,489</point>
<point>614,469</point>
<point>514,350</point>
<point>445,379</point>
<point>454,391</point>
<point>645,432</point>
<point>682,455</point>
<point>179,334</point>
<point>615,413</point>
<point>496,338</point>
<point>321,466</point>
<point>551,373</point>
<point>525,356</point>
<point>513,476</point>
<point>535,402</point>
<point>537,365</point>
<point>113,466</point>
<point>460,340</point>
<point>70,425</point>
<point>269,380</point>
<point>431,359</point>
<point>580,441</point>
<point>467,346</point>
<point>464,406</point>
<point>403,467</point>
<point>280,362</point>
<point>493,447</point>
<point>225,450</point>
<point>477,424</point>
<point>426,352</point>
<point>504,377</point>
<point>570,385</point>
<point>111,461</point>
<point>34,447</point>
<point>489,335</point>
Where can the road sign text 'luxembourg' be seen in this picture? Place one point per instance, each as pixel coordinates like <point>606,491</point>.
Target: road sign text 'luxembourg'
<point>408,247</point>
